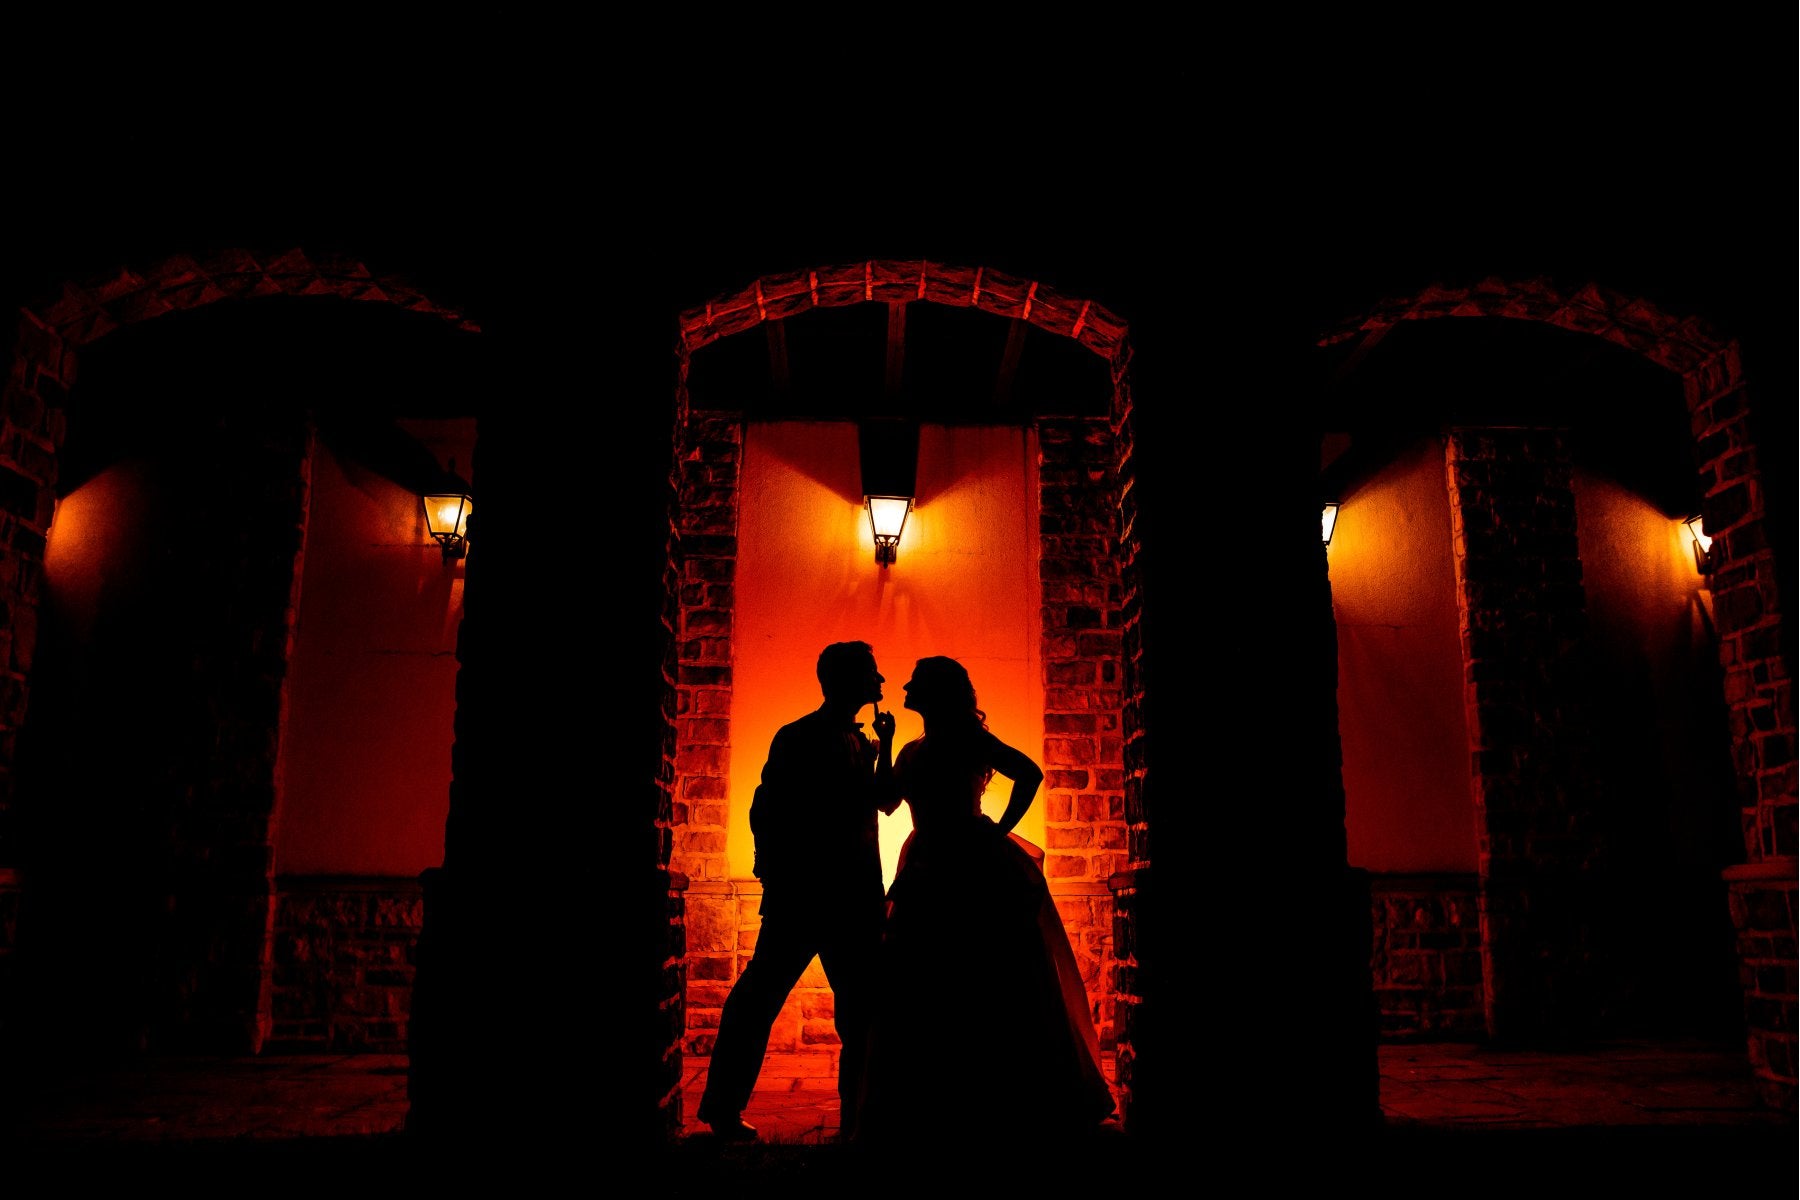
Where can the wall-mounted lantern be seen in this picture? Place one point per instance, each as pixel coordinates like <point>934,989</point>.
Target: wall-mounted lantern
<point>888,449</point>
<point>447,518</point>
<point>1328,520</point>
<point>887,517</point>
<point>1703,557</point>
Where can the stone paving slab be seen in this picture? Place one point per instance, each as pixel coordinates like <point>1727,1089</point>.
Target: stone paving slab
<point>1617,1084</point>
<point>1438,1086</point>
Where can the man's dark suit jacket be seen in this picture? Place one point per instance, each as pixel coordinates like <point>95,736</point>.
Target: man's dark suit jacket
<point>814,818</point>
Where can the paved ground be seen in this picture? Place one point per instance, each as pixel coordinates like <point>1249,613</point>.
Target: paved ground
<point>1629,1114</point>
<point>1448,1086</point>
<point>1621,1084</point>
<point>181,1100</point>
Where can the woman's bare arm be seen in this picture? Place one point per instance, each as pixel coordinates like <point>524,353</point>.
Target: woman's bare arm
<point>887,785</point>
<point>1026,777</point>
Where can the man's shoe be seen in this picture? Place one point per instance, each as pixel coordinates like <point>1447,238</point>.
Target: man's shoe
<point>733,1129</point>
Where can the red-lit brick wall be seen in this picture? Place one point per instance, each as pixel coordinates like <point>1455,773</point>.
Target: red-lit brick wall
<point>9,935</point>
<point>343,963</point>
<point>1747,604</point>
<point>1425,959</point>
<point>719,914</point>
<point>706,519</point>
<point>1762,910</point>
<point>1135,951</point>
<point>32,425</point>
<point>1084,774</point>
<point>722,927</point>
<point>667,914</point>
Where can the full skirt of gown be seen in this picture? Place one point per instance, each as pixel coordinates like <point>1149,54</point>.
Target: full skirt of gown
<point>982,1028</point>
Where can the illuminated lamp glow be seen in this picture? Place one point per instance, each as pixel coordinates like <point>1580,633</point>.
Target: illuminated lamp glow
<point>1328,520</point>
<point>1703,559</point>
<point>447,519</point>
<point>887,517</point>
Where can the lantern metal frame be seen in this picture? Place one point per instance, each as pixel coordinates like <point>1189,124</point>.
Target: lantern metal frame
<point>1704,559</point>
<point>887,541</point>
<point>454,541</point>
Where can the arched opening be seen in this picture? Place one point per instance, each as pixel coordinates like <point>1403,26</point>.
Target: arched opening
<point>1009,563</point>
<point>166,907</point>
<point>1576,656</point>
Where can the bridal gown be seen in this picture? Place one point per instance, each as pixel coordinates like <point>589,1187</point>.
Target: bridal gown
<point>982,1025</point>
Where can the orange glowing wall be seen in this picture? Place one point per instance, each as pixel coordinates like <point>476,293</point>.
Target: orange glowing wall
<point>1401,717</point>
<point>965,585</point>
<point>1660,726</point>
<point>365,753</point>
<point>1408,804</point>
<point>102,528</point>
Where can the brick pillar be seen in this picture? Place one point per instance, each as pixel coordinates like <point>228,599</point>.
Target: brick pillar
<point>1762,899</point>
<point>32,424</point>
<point>670,921</point>
<point>1523,611</point>
<point>1426,956</point>
<point>9,934</point>
<point>720,923</point>
<point>706,522</point>
<point>1747,613</point>
<point>1135,946</point>
<point>343,963</point>
<point>671,932</point>
<point>1084,773</point>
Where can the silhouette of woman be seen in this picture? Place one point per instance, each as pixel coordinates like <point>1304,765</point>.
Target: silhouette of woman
<point>982,1026</point>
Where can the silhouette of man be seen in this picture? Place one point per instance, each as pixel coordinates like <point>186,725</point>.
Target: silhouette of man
<point>813,818</point>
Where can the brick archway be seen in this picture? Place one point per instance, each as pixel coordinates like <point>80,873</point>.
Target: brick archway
<point>48,339</point>
<point>1094,797</point>
<point>1747,606</point>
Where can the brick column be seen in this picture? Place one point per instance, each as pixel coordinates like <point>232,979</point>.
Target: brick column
<point>343,962</point>
<point>32,424</point>
<point>1523,611</point>
<point>706,521</point>
<point>9,934</point>
<point>1762,899</point>
<point>720,921</point>
<point>1135,951</point>
<point>1084,796</point>
<point>1747,612</point>
<point>1426,956</point>
<point>670,918</point>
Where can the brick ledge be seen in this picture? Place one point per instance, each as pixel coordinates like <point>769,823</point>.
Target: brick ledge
<point>1770,870</point>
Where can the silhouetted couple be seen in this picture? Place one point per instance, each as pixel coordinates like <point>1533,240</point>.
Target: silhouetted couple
<point>958,1002</point>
